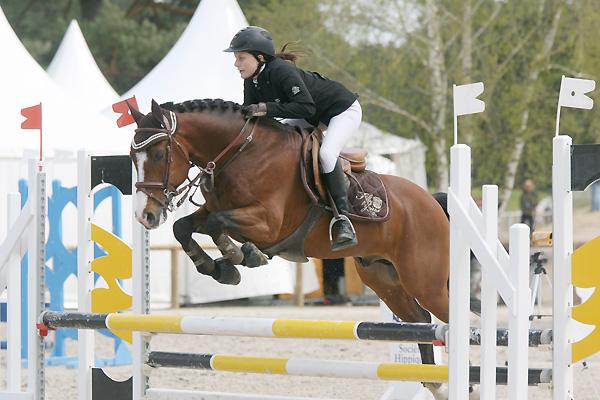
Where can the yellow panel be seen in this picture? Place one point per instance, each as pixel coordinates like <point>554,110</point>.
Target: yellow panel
<point>145,323</point>
<point>115,265</point>
<point>264,365</point>
<point>314,329</point>
<point>586,274</point>
<point>413,372</point>
<point>111,267</point>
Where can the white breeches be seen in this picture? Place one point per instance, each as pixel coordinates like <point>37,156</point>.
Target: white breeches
<point>337,133</point>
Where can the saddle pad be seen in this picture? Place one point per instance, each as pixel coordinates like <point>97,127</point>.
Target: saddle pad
<point>367,197</point>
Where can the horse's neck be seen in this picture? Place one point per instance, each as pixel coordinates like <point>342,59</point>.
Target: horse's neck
<point>207,135</point>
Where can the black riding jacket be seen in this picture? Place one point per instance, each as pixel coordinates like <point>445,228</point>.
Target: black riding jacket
<point>291,92</point>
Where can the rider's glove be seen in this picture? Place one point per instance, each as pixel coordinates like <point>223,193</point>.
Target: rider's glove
<point>255,110</point>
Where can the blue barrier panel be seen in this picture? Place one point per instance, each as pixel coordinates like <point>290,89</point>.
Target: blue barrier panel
<point>64,263</point>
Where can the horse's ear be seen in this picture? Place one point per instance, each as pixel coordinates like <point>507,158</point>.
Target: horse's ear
<point>157,112</point>
<point>137,116</point>
<point>161,115</point>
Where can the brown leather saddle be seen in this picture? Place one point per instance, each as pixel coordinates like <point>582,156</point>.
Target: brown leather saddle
<point>367,194</point>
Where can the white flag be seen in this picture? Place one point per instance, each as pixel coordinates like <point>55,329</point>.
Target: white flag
<point>465,99</point>
<point>572,93</point>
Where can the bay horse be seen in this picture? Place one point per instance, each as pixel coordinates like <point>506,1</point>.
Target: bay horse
<point>254,194</point>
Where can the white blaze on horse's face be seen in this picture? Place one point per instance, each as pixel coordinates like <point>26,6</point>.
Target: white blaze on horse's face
<point>141,199</point>
<point>146,212</point>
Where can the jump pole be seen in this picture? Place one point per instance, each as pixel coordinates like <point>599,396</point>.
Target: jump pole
<point>404,332</point>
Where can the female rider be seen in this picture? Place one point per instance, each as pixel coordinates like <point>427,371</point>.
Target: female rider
<point>274,87</point>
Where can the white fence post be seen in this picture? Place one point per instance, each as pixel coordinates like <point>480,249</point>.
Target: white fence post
<point>141,298</point>
<point>36,265</point>
<point>458,362</point>
<point>13,306</point>
<point>518,323</point>
<point>489,297</point>
<point>85,276</point>
<point>562,206</point>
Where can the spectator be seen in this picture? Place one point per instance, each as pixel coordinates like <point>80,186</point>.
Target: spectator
<point>596,196</point>
<point>529,202</point>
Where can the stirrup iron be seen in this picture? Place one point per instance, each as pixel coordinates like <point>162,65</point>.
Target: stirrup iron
<point>340,217</point>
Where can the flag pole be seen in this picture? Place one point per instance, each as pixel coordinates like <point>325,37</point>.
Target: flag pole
<point>41,141</point>
<point>562,80</point>
<point>455,116</point>
<point>557,119</point>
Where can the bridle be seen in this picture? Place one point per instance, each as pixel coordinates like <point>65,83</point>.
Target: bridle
<point>206,175</point>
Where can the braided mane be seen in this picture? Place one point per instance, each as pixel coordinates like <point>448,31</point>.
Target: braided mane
<point>201,105</point>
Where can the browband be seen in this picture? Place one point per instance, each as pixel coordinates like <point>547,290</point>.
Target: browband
<point>170,125</point>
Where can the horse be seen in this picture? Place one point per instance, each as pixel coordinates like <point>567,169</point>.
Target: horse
<point>251,182</point>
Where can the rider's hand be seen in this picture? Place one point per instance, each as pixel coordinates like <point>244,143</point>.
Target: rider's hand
<point>255,110</point>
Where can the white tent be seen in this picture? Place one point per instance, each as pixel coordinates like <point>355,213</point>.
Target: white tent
<point>74,69</point>
<point>67,124</point>
<point>408,155</point>
<point>196,67</point>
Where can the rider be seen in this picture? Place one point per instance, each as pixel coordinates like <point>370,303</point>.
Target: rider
<point>274,87</point>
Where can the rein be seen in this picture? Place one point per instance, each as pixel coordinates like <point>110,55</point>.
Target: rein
<point>208,172</point>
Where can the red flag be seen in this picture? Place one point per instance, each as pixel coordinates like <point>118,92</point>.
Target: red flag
<point>121,108</point>
<point>33,117</point>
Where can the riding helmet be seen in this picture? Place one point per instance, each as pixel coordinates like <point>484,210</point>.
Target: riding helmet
<point>253,39</point>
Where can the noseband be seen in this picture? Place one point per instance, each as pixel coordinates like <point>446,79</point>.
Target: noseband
<point>170,191</point>
<point>159,135</point>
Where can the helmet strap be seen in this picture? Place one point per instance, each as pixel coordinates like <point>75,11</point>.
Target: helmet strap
<point>259,68</point>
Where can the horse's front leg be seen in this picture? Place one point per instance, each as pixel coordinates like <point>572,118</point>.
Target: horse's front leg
<point>222,271</point>
<point>238,220</point>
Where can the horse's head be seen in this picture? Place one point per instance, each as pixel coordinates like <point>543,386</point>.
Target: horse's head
<point>162,164</point>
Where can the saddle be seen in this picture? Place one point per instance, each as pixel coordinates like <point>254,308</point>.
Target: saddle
<point>367,194</point>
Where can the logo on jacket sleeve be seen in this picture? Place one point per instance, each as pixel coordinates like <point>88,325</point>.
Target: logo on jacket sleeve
<point>295,90</point>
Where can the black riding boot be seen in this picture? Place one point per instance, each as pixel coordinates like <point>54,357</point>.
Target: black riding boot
<point>343,235</point>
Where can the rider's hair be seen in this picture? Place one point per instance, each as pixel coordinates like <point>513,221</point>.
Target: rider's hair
<point>291,55</point>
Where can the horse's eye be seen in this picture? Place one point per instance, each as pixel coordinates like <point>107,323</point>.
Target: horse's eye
<point>159,155</point>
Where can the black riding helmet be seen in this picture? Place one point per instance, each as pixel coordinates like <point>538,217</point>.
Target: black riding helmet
<point>252,39</point>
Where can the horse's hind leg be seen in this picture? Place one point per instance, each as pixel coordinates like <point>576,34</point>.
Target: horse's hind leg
<point>249,255</point>
<point>380,275</point>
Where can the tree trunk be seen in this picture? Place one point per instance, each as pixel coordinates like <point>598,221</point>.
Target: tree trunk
<point>466,64</point>
<point>521,138</point>
<point>90,9</point>
<point>439,92</point>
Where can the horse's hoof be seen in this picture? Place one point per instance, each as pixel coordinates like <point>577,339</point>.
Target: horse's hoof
<point>226,273</point>
<point>253,257</point>
<point>438,391</point>
<point>205,267</point>
<point>230,250</point>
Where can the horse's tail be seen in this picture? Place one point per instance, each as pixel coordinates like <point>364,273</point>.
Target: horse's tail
<point>442,199</point>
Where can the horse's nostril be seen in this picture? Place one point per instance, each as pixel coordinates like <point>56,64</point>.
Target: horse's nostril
<point>149,217</point>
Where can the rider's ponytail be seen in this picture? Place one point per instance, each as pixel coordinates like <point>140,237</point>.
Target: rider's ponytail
<point>291,55</point>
